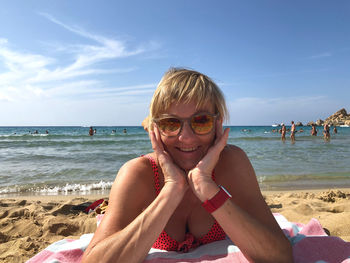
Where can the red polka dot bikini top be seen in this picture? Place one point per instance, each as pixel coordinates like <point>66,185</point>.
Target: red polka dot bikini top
<point>165,242</point>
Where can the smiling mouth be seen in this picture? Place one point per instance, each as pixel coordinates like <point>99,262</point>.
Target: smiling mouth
<point>188,149</point>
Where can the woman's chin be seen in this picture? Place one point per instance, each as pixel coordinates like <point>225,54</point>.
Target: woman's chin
<point>187,161</point>
<point>187,165</point>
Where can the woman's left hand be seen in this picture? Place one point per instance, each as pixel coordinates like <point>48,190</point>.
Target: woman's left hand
<point>200,176</point>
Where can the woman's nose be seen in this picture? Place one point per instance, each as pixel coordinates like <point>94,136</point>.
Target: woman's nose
<point>186,132</point>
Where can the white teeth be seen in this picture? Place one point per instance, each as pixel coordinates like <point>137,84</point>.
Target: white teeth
<point>188,149</point>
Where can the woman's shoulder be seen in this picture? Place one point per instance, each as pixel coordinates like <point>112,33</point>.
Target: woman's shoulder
<point>232,161</point>
<point>137,169</point>
<point>141,162</point>
<point>232,151</point>
<point>135,175</point>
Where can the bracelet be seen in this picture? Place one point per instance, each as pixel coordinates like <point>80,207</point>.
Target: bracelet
<point>217,201</point>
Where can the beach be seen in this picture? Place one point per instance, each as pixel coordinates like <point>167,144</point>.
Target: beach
<point>31,223</point>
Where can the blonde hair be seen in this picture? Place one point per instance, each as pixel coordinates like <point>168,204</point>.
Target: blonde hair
<point>184,85</point>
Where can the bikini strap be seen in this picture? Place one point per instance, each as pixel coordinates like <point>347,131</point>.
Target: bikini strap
<point>213,176</point>
<point>155,172</point>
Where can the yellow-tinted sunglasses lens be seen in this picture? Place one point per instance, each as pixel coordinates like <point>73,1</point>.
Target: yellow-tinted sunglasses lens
<point>202,124</point>
<point>169,126</point>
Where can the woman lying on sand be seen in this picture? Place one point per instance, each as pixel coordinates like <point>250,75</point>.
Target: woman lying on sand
<point>192,190</point>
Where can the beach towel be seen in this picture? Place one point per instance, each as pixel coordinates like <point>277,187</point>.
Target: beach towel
<point>310,244</point>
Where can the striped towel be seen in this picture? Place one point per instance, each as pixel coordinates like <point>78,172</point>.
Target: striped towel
<point>310,244</point>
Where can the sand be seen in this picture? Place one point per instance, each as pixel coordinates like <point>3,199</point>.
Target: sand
<point>30,224</point>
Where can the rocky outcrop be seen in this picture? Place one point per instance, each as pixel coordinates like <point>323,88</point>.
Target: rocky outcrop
<point>341,117</point>
<point>319,122</point>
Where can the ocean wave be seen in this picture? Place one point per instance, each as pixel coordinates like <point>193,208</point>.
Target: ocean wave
<point>71,136</point>
<point>74,142</point>
<point>68,188</point>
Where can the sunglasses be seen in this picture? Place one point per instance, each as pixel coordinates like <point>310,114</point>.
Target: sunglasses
<point>200,124</point>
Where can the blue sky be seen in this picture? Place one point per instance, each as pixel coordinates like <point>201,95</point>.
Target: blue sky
<point>99,62</point>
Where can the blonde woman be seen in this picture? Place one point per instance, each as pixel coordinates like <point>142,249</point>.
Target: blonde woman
<point>192,189</point>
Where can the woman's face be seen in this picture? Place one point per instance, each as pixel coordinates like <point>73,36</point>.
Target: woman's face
<point>188,148</point>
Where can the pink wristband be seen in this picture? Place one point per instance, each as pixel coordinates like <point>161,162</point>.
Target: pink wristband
<point>217,201</point>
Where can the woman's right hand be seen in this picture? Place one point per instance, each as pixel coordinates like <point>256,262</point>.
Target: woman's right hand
<point>173,174</point>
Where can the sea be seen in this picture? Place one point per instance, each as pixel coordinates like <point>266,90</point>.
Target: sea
<point>67,161</point>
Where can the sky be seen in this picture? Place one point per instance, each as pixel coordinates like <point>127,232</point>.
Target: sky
<point>98,63</point>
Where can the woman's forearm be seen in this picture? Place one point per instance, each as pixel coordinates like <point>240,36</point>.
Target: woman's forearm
<point>132,243</point>
<point>245,218</point>
<point>256,241</point>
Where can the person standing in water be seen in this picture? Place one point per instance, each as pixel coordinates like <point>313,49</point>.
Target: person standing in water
<point>313,130</point>
<point>326,133</point>
<point>292,131</point>
<point>91,131</point>
<point>283,132</point>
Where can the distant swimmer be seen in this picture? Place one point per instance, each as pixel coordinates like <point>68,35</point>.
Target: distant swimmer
<point>91,131</point>
<point>124,131</point>
<point>95,131</point>
<point>292,131</point>
<point>47,132</point>
<point>313,130</point>
<point>326,134</point>
<point>283,132</point>
<point>335,129</point>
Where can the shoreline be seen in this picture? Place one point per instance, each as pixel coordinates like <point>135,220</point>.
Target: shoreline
<point>105,194</point>
<point>48,197</point>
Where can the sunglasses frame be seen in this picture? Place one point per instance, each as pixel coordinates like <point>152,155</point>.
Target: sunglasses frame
<point>182,121</point>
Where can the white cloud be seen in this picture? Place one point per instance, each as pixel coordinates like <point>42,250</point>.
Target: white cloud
<point>321,55</point>
<point>30,76</point>
<point>90,54</point>
<point>5,98</point>
<point>20,65</point>
<point>87,88</point>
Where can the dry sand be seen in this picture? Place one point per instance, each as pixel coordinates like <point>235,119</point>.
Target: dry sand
<point>29,224</point>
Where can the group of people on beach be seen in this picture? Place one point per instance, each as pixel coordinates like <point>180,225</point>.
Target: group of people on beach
<point>293,131</point>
